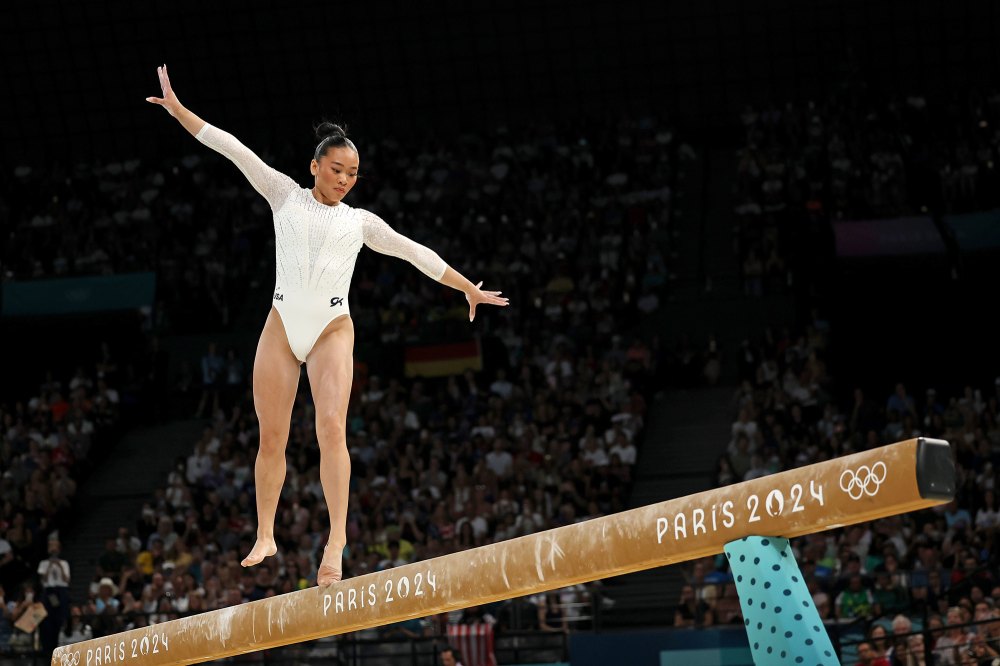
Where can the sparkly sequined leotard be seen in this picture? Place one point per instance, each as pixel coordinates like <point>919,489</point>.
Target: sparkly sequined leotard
<point>315,245</point>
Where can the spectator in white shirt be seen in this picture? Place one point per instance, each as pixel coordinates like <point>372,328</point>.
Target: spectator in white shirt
<point>483,429</point>
<point>616,430</point>
<point>559,370</point>
<point>374,392</point>
<point>499,460</point>
<point>501,386</point>
<point>164,532</point>
<point>198,464</point>
<point>594,454</point>
<point>987,516</point>
<point>54,576</point>
<point>480,528</point>
<point>54,571</point>
<point>625,451</point>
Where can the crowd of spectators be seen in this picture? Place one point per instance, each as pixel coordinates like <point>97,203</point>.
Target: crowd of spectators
<point>856,156</point>
<point>546,436</point>
<point>437,466</point>
<point>47,445</point>
<point>585,196</point>
<point>930,570</point>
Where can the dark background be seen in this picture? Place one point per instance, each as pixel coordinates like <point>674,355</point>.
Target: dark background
<point>75,76</point>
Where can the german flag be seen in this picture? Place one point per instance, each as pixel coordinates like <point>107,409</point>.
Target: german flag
<point>443,360</point>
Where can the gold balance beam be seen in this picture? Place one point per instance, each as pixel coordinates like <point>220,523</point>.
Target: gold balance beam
<point>894,479</point>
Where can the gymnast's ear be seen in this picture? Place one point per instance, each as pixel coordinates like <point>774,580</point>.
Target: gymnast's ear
<point>314,168</point>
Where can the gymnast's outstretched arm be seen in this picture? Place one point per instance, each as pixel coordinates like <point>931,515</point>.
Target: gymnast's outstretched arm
<point>382,238</point>
<point>270,183</point>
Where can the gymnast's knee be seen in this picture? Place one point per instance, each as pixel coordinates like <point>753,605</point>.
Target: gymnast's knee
<point>331,431</point>
<point>272,442</point>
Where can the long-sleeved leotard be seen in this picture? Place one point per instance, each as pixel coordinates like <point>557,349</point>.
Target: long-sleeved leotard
<point>315,245</point>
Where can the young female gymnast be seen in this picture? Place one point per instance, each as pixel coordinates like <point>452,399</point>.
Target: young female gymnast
<point>317,240</point>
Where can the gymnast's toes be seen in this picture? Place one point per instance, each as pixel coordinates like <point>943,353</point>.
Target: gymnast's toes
<point>327,575</point>
<point>260,550</point>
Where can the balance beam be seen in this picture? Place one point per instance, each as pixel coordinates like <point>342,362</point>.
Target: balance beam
<point>886,481</point>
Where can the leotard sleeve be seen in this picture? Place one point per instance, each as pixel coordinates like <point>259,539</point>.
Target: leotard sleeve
<point>271,183</point>
<point>382,238</point>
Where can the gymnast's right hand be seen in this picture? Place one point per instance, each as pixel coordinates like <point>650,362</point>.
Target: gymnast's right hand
<point>169,99</point>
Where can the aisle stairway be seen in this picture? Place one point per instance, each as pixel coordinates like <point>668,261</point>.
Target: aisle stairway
<point>114,494</point>
<point>685,433</point>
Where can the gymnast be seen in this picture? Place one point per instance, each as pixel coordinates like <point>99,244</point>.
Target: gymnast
<point>317,240</point>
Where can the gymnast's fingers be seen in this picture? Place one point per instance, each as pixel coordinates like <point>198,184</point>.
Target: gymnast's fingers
<point>166,79</point>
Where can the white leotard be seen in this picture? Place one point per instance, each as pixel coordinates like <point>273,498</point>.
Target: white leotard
<point>315,245</point>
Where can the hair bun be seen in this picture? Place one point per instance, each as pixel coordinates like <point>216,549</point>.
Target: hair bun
<point>331,135</point>
<point>326,129</point>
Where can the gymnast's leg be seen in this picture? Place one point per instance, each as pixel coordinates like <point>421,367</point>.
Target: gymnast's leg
<point>330,366</point>
<point>275,382</point>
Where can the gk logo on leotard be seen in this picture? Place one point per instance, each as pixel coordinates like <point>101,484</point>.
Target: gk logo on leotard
<point>278,297</point>
<point>335,301</point>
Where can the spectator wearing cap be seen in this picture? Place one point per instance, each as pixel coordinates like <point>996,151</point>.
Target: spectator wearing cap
<point>107,601</point>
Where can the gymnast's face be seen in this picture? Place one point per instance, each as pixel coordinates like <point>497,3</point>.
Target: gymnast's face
<point>336,172</point>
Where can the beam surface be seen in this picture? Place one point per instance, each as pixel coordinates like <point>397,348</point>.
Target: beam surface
<point>894,479</point>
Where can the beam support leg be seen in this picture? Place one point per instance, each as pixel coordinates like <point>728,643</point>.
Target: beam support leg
<point>782,622</point>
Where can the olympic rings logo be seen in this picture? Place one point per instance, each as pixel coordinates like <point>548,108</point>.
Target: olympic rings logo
<point>69,658</point>
<point>866,481</point>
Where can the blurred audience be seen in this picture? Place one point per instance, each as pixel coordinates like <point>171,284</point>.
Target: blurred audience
<point>546,436</point>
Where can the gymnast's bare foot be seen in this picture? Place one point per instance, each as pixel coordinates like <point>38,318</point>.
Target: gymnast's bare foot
<point>330,568</point>
<point>263,548</point>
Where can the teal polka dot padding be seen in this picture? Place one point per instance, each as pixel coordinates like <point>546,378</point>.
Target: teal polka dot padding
<point>781,620</point>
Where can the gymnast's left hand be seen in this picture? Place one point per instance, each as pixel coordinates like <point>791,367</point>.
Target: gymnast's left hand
<point>477,296</point>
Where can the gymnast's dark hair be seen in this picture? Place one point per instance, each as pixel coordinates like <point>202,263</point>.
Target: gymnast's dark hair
<point>329,136</point>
